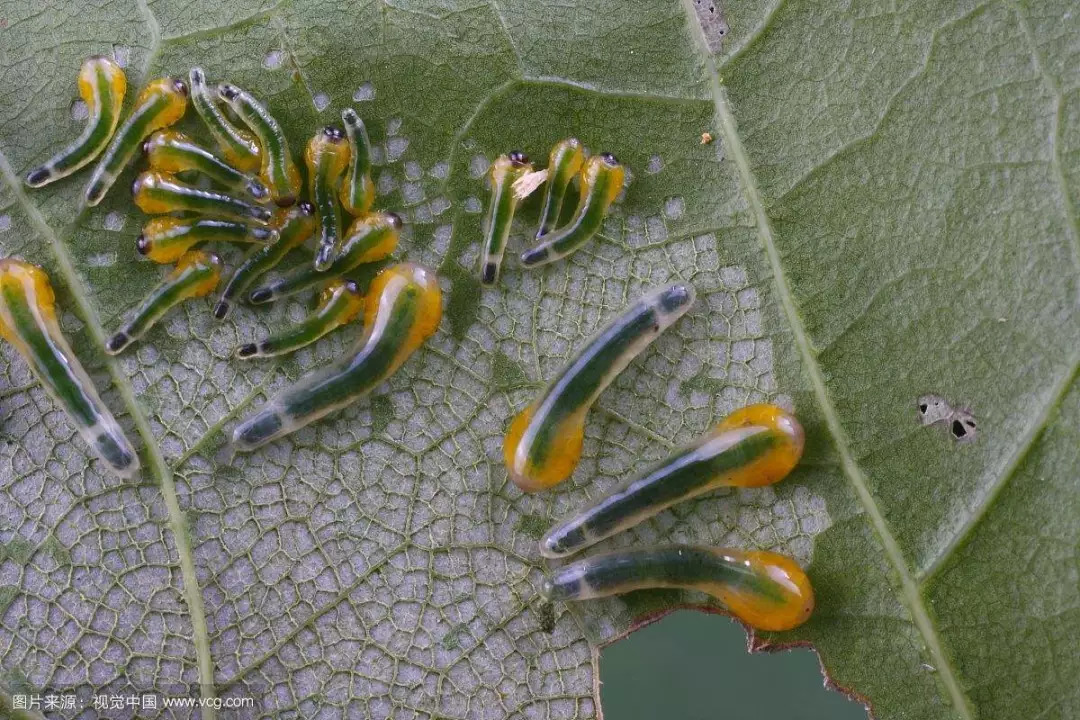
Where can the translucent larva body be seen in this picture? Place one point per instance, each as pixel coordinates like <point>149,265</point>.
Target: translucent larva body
<point>28,321</point>
<point>172,151</point>
<point>357,189</point>
<point>765,590</point>
<point>157,192</point>
<point>754,446</point>
<point>327,159</point>
<point>370,238</point>
<point>543,443</point>
<point>196,274</point>
<point>238,146</point>
<point>277,170</point>
<point>601,181</point>
<point>339,303</point>
<point>102,85</point>
<point>402,309</point>
<point>501,208</point>
<point>564,164</point>
<point>165,239</point>
<point>159,105</point>
<point>294,225</point>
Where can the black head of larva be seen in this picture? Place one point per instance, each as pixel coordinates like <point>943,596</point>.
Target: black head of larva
<point>395,220</point>
<point>518,158</point>
<point>352,287</point>
<point>196,76</point>
<point>117,342</point>
<point>180,87</point>
<point>142,244</point>
<point>349,117</point>
<point>307,208</point>
<point>609,159</point>
<point>333,133</point>
<point>228,92</point>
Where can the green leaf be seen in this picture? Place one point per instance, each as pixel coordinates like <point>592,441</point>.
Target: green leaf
<point>888,210</point>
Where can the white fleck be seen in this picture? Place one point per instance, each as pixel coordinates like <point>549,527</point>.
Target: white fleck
<point>674,207</point>
<point>79,111</point>
<point>413,192</point>
<point>442,237</point>
<point>473,204</point>
<point>393,126</point>
<point>413,171</point>
<point>5,222</point>
<point>364,93</point>
<point>440,205</point>
<point>395,148</point>
<point>655,165</point>
<point>107,259</point>
<point>478,166</point>
<point>115,221</point>
<point>386,183</point>
<point>273,59</point>
<point>321,101</point>
<point>440,171</point>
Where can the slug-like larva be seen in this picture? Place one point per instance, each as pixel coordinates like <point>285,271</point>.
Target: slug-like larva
<point>172,151</point>
<point>601,181</point>
<point>371,237</point>
<point>294,225</point>
<point>157,192</point>
<point>278,170</point>
<point>402,309</point>
<point>504,171</point>
<point>237,145</point>
<point>327,158</point>
<point>564,164</point>
<point>165,239</point>
<point>161,104</point>
<point>543,443</point>
<point>196,274</point>
<point>28,321</point>
<point>754,446</point>
<point>102,85</point>
<point>339,303</point>
<point>357,190</point>
<point>765,590</point>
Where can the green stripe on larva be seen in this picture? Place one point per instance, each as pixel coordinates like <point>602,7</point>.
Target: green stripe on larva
<point>564,164</point>
<point>357,190</point>
<point>543,443</point>
<point>172,151</point>
<point>158,192</point>
<point>196,274</point>
<point>28,321</point>
<point>161,104</point>
<point>327,159</point>
<point>501,177</point>
<point>601,181</point>
<point>294,226</point>
<point>278,169</point>
<point>238,146</point>
<point>338,304</point>
<point>166,239</point>
<point>102,85</point>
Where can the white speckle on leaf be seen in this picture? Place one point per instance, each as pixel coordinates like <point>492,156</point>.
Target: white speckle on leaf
<point>656,164</point>
<point>674,208</point>
<point>114,221</point>
<point>273,59</point>
<point>393,126</point>
<point>364,93</point>
<point>395,148</point>
<point>122,55</point>
<point>79,111</point>
<point>105,259</point>
<point>321,101</point>
<point>5,222</point>
<point>478,165</point>
<point>473,204</point>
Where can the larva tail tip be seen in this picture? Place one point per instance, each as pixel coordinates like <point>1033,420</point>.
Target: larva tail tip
<point>38,176</point>
<point>221,310</point>
<point>246,351</point>
<point>489,274</point>
<point>117,343</point>
<point>534,257</point>
<point>261,295</point>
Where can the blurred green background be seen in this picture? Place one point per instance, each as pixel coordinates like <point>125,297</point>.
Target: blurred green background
<point>694,666</point>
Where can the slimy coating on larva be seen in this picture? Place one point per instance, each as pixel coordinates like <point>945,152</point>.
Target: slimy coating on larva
<point>160,104</point>
<point>238,146</point>
<point>339,303</point>
<point>102,85</point>
<point>294,225</point>
<point>402,309</point>
<point>196,274</point>
<point>765,590</point>
<point>370,238</point>
<point>357,189</point>
<point>327,158</point>
<point>278,170</point>
<point>172,151</point>
<point>501,208</point>
<point>165,239</point>
<point>157,193</point>
<point>543,443</point>
<point>755,446</point>
<point>28,321</point>
<point>601,180</point>
<point>564,164</point>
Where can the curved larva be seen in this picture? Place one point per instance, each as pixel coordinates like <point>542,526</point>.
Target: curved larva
<point>102,85</point>
<point>339,304</point>
<point>327,158</point>
<point>370,238</point>
<point>501,177</point>
<point>172,151</point>
<point>357,190</point>
<point>196,274</point>
<point>564,164</point>
<point>754,446</point>
<point>402,309</point>
<point>157,193</point>
<point>28,321</point>
<point>161,104</point>
<point>237,145</point>
<point>278,170</point>
<point>543,443</point>
<point>601,181</point>
<point>165,239</point>
<point>294,225</point>
<point>765,590</point>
